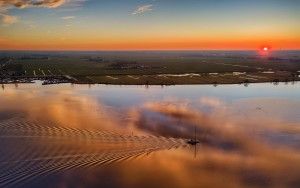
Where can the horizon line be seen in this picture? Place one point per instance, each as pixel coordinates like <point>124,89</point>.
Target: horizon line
<point>135,50</point>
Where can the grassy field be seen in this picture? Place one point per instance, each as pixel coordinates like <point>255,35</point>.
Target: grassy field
<point>154,68</point>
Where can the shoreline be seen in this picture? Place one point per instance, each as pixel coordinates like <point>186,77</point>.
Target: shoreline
<point>57,82</point>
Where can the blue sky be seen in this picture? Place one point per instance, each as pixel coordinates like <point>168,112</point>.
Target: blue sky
<point>172,23</point>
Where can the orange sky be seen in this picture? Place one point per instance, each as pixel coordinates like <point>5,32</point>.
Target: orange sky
<point>102,25</point>
<point>152,44</point>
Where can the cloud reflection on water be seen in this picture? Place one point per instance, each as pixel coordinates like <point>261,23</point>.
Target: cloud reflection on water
<point>237,148</point>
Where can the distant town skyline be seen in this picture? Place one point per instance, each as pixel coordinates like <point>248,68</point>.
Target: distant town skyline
<point>149,24</point>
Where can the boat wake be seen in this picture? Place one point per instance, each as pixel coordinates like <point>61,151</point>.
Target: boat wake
<point>30,150</point>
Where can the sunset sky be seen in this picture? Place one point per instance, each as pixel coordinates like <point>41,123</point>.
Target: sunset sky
<point>149,24</point>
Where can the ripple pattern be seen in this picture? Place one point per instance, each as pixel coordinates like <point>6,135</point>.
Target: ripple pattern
<point>30,150</point>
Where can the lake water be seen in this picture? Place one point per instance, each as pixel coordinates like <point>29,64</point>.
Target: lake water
<point>134,136</point>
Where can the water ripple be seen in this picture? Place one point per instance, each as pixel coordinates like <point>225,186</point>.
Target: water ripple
<point>30,149</point>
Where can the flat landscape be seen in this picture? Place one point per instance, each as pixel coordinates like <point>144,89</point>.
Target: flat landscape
<point>151,67</point>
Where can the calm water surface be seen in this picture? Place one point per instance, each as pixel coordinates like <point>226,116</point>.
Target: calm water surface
<point>133,136</point>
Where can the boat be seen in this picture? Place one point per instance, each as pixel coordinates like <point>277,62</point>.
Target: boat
<point>193,141</point>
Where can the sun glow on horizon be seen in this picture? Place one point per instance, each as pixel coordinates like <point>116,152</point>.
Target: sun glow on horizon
<point>266,49</point>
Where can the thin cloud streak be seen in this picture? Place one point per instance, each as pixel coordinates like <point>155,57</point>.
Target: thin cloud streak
<point>143,9</point>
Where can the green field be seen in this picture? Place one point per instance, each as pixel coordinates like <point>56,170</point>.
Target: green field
<point>153,68</point>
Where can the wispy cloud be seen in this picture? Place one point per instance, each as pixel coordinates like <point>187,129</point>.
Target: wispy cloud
<point>68,17</point>
<point>32,3</point>
<point>142,9</point>
<point>7,5</point>
<point>8,19</point>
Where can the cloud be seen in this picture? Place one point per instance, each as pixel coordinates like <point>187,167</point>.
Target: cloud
<point>32,3</point>
<point>7,5</point>
<point>8,19</point>
<point>142,9</point>
<point>211,102</point>
<point>171,109</point>
<point>68,17</point>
